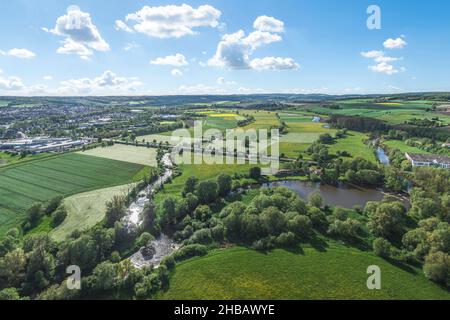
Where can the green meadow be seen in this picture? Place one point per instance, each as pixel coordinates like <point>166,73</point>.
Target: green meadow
<point>337,272</point>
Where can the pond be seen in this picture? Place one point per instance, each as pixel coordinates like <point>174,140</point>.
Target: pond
<point>346,197</point>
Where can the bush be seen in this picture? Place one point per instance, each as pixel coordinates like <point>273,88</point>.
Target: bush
<point>202,236</point>
<point>382,248</point>
<point>189,251</point>
<point>437,267</point>
<point>169,262</point>
<point>286,239</point>
<point>144,239</point>
<point>59,216</point>
<point>301,226</point>
<point>53,204</point>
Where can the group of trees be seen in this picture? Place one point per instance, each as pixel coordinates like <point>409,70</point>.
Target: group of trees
<point>54,209</point>
<point>421,234</point>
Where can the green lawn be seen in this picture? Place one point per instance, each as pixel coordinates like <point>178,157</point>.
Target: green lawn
<point>22,185</point>
<point>353,144</point>
<point>403,147</point>
<point>338,273</point>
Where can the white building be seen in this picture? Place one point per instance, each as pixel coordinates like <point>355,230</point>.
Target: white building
<point>428,160</point>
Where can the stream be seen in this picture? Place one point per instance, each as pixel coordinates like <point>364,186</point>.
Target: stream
<point>153,253</point>
<point>135,209</point>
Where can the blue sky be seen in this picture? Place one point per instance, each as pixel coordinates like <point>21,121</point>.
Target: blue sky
<point>58,47</point>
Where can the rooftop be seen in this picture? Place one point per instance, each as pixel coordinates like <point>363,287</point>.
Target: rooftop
<point>428,158</point>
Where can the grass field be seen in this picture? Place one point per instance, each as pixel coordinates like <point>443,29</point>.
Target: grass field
<point>7,159</point>
<point>354,145</point>
<point>338,273</point>
<point>22,185</point>
<point>127,153</point>
<point>403,147</point>
<point>86,209</point>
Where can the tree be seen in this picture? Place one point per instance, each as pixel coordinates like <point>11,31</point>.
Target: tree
<point>105,276</point>
<point>115,210</point>
<point>34,215</point>
<point>59,215</point>
<point>203,213</point>
<point>82,252</point>
<point>9,294</point>
<point>255,173</point>
<point>53,204</point>
<point>189,186</point>
<point>274,221</point>
<point>301,226</point>
<point>251,228</point>
<point>388,220</point>
<point>207,192</point>
<point>169,209</point>
<point>326,138</point>
<point>315,200</point>
<point>224,182</point>
<point>12,268</point>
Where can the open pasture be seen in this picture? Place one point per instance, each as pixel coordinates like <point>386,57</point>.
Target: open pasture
<point>338,272</point>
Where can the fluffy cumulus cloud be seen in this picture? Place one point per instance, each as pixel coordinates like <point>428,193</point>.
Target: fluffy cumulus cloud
<point>81,35</point>
<point>170,21</point>
<point>107,83</point>
<point>18,53</point>
<point>383,64</point>
<point>10,83</point>
<point>398,43</point>
<point>177,60</point>
<point>234,51</point>
<point>269,24</point>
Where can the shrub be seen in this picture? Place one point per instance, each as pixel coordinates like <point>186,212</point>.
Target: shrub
<point>169,262</point>
<point>382,248</point>
<point>437,267</point>
<point>202,236</point>
<point>286,239</point>
<point>59,215</point>
<point>190,251</point>
<point>144,239</point>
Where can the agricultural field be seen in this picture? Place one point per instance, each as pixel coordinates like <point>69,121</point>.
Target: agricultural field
<point>127,153</point>
<point>22,185</point>
<point>338,272</point>
<point>7,159</point>
<point>263,119</point>
<point>85,210</point>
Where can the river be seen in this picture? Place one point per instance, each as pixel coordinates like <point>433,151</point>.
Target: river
<point>382,156</point>
<point>346,197</point>
<point>133,217</point>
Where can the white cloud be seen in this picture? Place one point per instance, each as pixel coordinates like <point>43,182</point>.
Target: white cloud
<point>384,67</point>
<point>47,78</point>
<point>171,21</point>
<point>176,73</point>
<point>274,63</point>
<point>107,83</point>
<point>398,43</point>
<point>177,60</point>
<point>120,25</point>
<point>269,24</point>
<point>19,53</point>
<point>234,51</point>
<point>81,35</point>
<point>11,83</point>
<point>372,54</point>
<point>383,62</point>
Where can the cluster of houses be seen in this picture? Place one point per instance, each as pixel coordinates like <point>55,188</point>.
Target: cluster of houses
<point>42,144</point>
<point>428,160</point>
